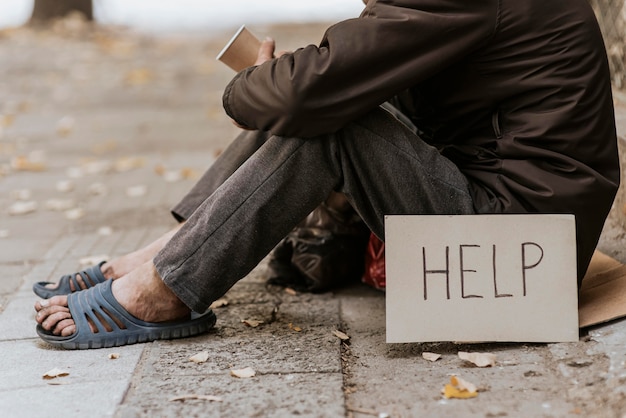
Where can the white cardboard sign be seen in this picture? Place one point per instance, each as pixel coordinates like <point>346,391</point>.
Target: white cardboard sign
<point>478,278</point>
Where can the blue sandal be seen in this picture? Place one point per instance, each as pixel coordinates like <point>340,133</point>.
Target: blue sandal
<point>91,276</point>
<point>99,307</point>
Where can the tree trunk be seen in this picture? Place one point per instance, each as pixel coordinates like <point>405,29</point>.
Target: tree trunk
<point>45,10</point>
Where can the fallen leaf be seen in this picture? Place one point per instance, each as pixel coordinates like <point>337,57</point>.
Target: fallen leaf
<point>290,291</point>
<point>243,373</point>
<point>295,328</point>
<point>105,230</point>
<point>129,163</point>
<point>114,356</point>
<point>22,208</point>
<point>459,389</point>
<point>65,125</point>
<point>22,163</point>
<point>7,120</point>
<point>341,335</point>
<point>199,358</point>
<point>196,397</point>
<point>431,356</point>
<point>479,359</point>
<point>172,176</point>
<point>74,172</point>
<point>220,303</point>
<point>136,191</point>
<point>74,214</point>
<point>139,76</point>
<point>54,373</point>
<point>65,186</point>
<point>252,322</point>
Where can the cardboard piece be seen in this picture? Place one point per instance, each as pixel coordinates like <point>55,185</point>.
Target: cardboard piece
<point>241,51</point>
<point>481,278</point>
<point>603,291</point>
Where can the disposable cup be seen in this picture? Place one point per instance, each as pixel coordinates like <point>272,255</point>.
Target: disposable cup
<point>241,51</point>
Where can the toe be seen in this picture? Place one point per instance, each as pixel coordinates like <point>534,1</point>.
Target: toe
<point>65,327</point>
<point>51,321</point>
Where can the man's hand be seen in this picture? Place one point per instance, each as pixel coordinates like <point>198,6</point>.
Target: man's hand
<point>266,51</point>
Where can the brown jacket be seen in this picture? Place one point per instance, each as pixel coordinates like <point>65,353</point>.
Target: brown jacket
<point>515,92</point>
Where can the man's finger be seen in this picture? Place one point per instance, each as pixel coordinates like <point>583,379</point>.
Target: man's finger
<point>266,51</point>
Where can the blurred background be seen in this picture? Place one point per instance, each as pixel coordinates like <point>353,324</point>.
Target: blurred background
<point>197,15</point>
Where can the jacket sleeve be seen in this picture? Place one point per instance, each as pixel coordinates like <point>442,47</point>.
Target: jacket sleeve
<point>360,63</point>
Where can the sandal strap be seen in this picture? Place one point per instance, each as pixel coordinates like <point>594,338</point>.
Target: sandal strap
<point>91,276</point>
<point>97,306</point>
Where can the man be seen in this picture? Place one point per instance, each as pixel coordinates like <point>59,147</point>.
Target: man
<point>504,107</point>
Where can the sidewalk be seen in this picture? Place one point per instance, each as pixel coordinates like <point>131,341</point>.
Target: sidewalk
<point>119,126</point>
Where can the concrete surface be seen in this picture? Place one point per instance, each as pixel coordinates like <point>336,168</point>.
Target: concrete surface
<point>111,110</point>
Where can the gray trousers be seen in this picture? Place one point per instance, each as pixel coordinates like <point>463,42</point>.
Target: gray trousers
<point>262,186</point>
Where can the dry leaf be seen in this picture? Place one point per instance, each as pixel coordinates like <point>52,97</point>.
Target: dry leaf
<point>431,356</point>
<point>199,358</point>
<point>459,389</point>
<point>172,176</point>
<point>252,322</point>
<point>65,125</point>
<point>74,214</point>
<point>7,120</point>
<point>74,172</point>
<point>54,373</point>
<point>22,163</point>
<point>114,356</point>
<point>196,397</point>
<point>64,186</point>
<point>479,359</point>
<point>129,163</point>
<point>105,230</point>
<point>290,291</point>
<point>220,303</point>
<point>341,335</point>
<point>295,328</point>
<point>243,373</point>
<point>139,76</point>
<point>136,191</point>
<point>22,208</point>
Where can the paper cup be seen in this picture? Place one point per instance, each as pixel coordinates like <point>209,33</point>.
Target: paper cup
<point>241,51</point>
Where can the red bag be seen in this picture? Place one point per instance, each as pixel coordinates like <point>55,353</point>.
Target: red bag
<point>374,274</point>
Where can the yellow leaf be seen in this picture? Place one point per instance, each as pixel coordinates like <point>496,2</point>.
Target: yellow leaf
<point>294,328</point>
<point>341,335</point>
<point>459,389</point>
<point>252,322</point>
<point>54,373</point>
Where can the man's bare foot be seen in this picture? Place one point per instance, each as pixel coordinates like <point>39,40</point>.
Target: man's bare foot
<point>123,265</point>
<point>141,292</point>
